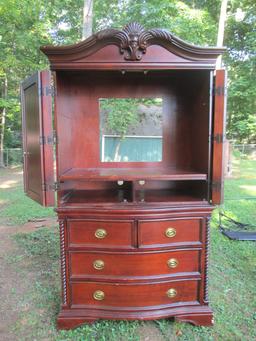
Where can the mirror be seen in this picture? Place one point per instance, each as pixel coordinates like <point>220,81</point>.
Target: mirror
<point>131,129</point>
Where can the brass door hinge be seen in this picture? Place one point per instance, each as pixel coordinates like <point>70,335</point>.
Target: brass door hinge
<point>48,91</point>
<point>50,187</point>
<point>218,138</point>
<point>219,91</point>
<point>50,139</point>
<point>216,185</point>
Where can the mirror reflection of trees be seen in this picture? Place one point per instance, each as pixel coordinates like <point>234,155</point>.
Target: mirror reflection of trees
<point>131,129</point>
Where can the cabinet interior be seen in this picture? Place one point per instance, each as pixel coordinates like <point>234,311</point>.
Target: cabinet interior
<point>182,173</point>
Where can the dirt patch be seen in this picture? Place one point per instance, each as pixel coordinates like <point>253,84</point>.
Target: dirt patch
<point>15,280</point>
<point>17,276</point>
<point>12,283</point>
<point>10,177</point>
<point>149,332</point>
<point>34,224</point>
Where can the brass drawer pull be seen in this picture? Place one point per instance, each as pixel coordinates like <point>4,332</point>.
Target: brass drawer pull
<point>100,233</point>
<point>172,263</point>
<point>171,293</point>
<point>98,264</point>
<point>99,295</point>
<point>170,232</point>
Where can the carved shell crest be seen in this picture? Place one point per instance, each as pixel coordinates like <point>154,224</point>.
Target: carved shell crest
<point>133,40</point>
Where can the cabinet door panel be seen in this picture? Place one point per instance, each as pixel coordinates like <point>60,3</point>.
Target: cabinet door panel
<point>37,138</point>
<point>219,119</point>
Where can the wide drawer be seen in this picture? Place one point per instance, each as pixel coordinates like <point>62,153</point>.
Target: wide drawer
<point>100,233</point>
<point>134,264</point>
<point>171,231</point>
<point>133,295</point>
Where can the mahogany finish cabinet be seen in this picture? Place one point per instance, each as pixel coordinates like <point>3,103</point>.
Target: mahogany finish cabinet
<point>134,220</point>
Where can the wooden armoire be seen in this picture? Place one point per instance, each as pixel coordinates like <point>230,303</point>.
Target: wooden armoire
<point>138,139</point>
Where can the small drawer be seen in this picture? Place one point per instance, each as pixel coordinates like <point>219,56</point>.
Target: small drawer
<point>167,232</point>
<point>134,295</point>
<point>133,265</point>
<point>100,233</point>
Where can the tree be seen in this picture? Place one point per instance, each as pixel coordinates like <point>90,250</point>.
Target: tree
<point>240,39</point>
<point>192,23</point>
<point>121,114</point>
<point>221,29</point>
<point>28,24</point>
<point>87,18</point>
<point>25,26</point>
<point>3,119</point>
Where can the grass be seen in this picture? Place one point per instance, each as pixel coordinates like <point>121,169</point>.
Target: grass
<point>232,275</point>
<point>239,189</point>
<point>40,262</point>
<point>15,207</point>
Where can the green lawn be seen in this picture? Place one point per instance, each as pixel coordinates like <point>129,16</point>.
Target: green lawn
<point>15,207</point>
<point>232,287</point>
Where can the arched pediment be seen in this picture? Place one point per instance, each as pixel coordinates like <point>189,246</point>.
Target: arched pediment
<point>132,42</point>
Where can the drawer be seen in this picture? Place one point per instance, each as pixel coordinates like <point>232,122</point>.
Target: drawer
<point>172,231</point>
<point>134,264</point>
<point>134,295</point>
<point>100,233</point>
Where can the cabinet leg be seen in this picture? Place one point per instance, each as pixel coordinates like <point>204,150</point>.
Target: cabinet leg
<point>196,319</point>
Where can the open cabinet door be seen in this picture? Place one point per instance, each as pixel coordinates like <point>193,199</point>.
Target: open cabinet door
<point>219,121</point>
<point>38,137</point>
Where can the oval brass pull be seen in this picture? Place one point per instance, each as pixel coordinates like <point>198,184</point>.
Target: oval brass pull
<point>170,232</point>
<point>171,293</point>
<point>99,295</point>
<point>172,263</point>
<point>100,233</point>
<point>98,264</point>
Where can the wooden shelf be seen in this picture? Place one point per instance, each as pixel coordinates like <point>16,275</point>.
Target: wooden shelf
<point>99,197</point>
<point>130,174</point>
<point>167,196</point>
<point>124,197</point>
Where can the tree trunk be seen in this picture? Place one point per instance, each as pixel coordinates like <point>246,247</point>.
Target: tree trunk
<point>87,18</point>
<point>2,123</point>
<point>117,156</point>
<point>221,29</point>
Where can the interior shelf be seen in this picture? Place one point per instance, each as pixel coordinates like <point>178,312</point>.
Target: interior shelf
<point>130,174</point>
<point>119,196</point>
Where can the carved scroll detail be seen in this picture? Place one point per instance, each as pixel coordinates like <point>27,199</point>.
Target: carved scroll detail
<point>207,243</point>
<point>63,261</point>
<point>133,40</point>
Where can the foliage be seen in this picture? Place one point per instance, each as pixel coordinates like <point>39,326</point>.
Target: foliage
<point>124,113</point>
<point>121,114</point>
<point>26,25</point>
<point>193,24</point>
<point>241,62</point>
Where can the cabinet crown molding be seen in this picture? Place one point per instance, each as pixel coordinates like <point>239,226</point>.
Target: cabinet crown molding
<point>133,41</point>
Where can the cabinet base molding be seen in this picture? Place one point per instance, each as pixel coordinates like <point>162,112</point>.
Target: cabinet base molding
<point>197,315</point>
